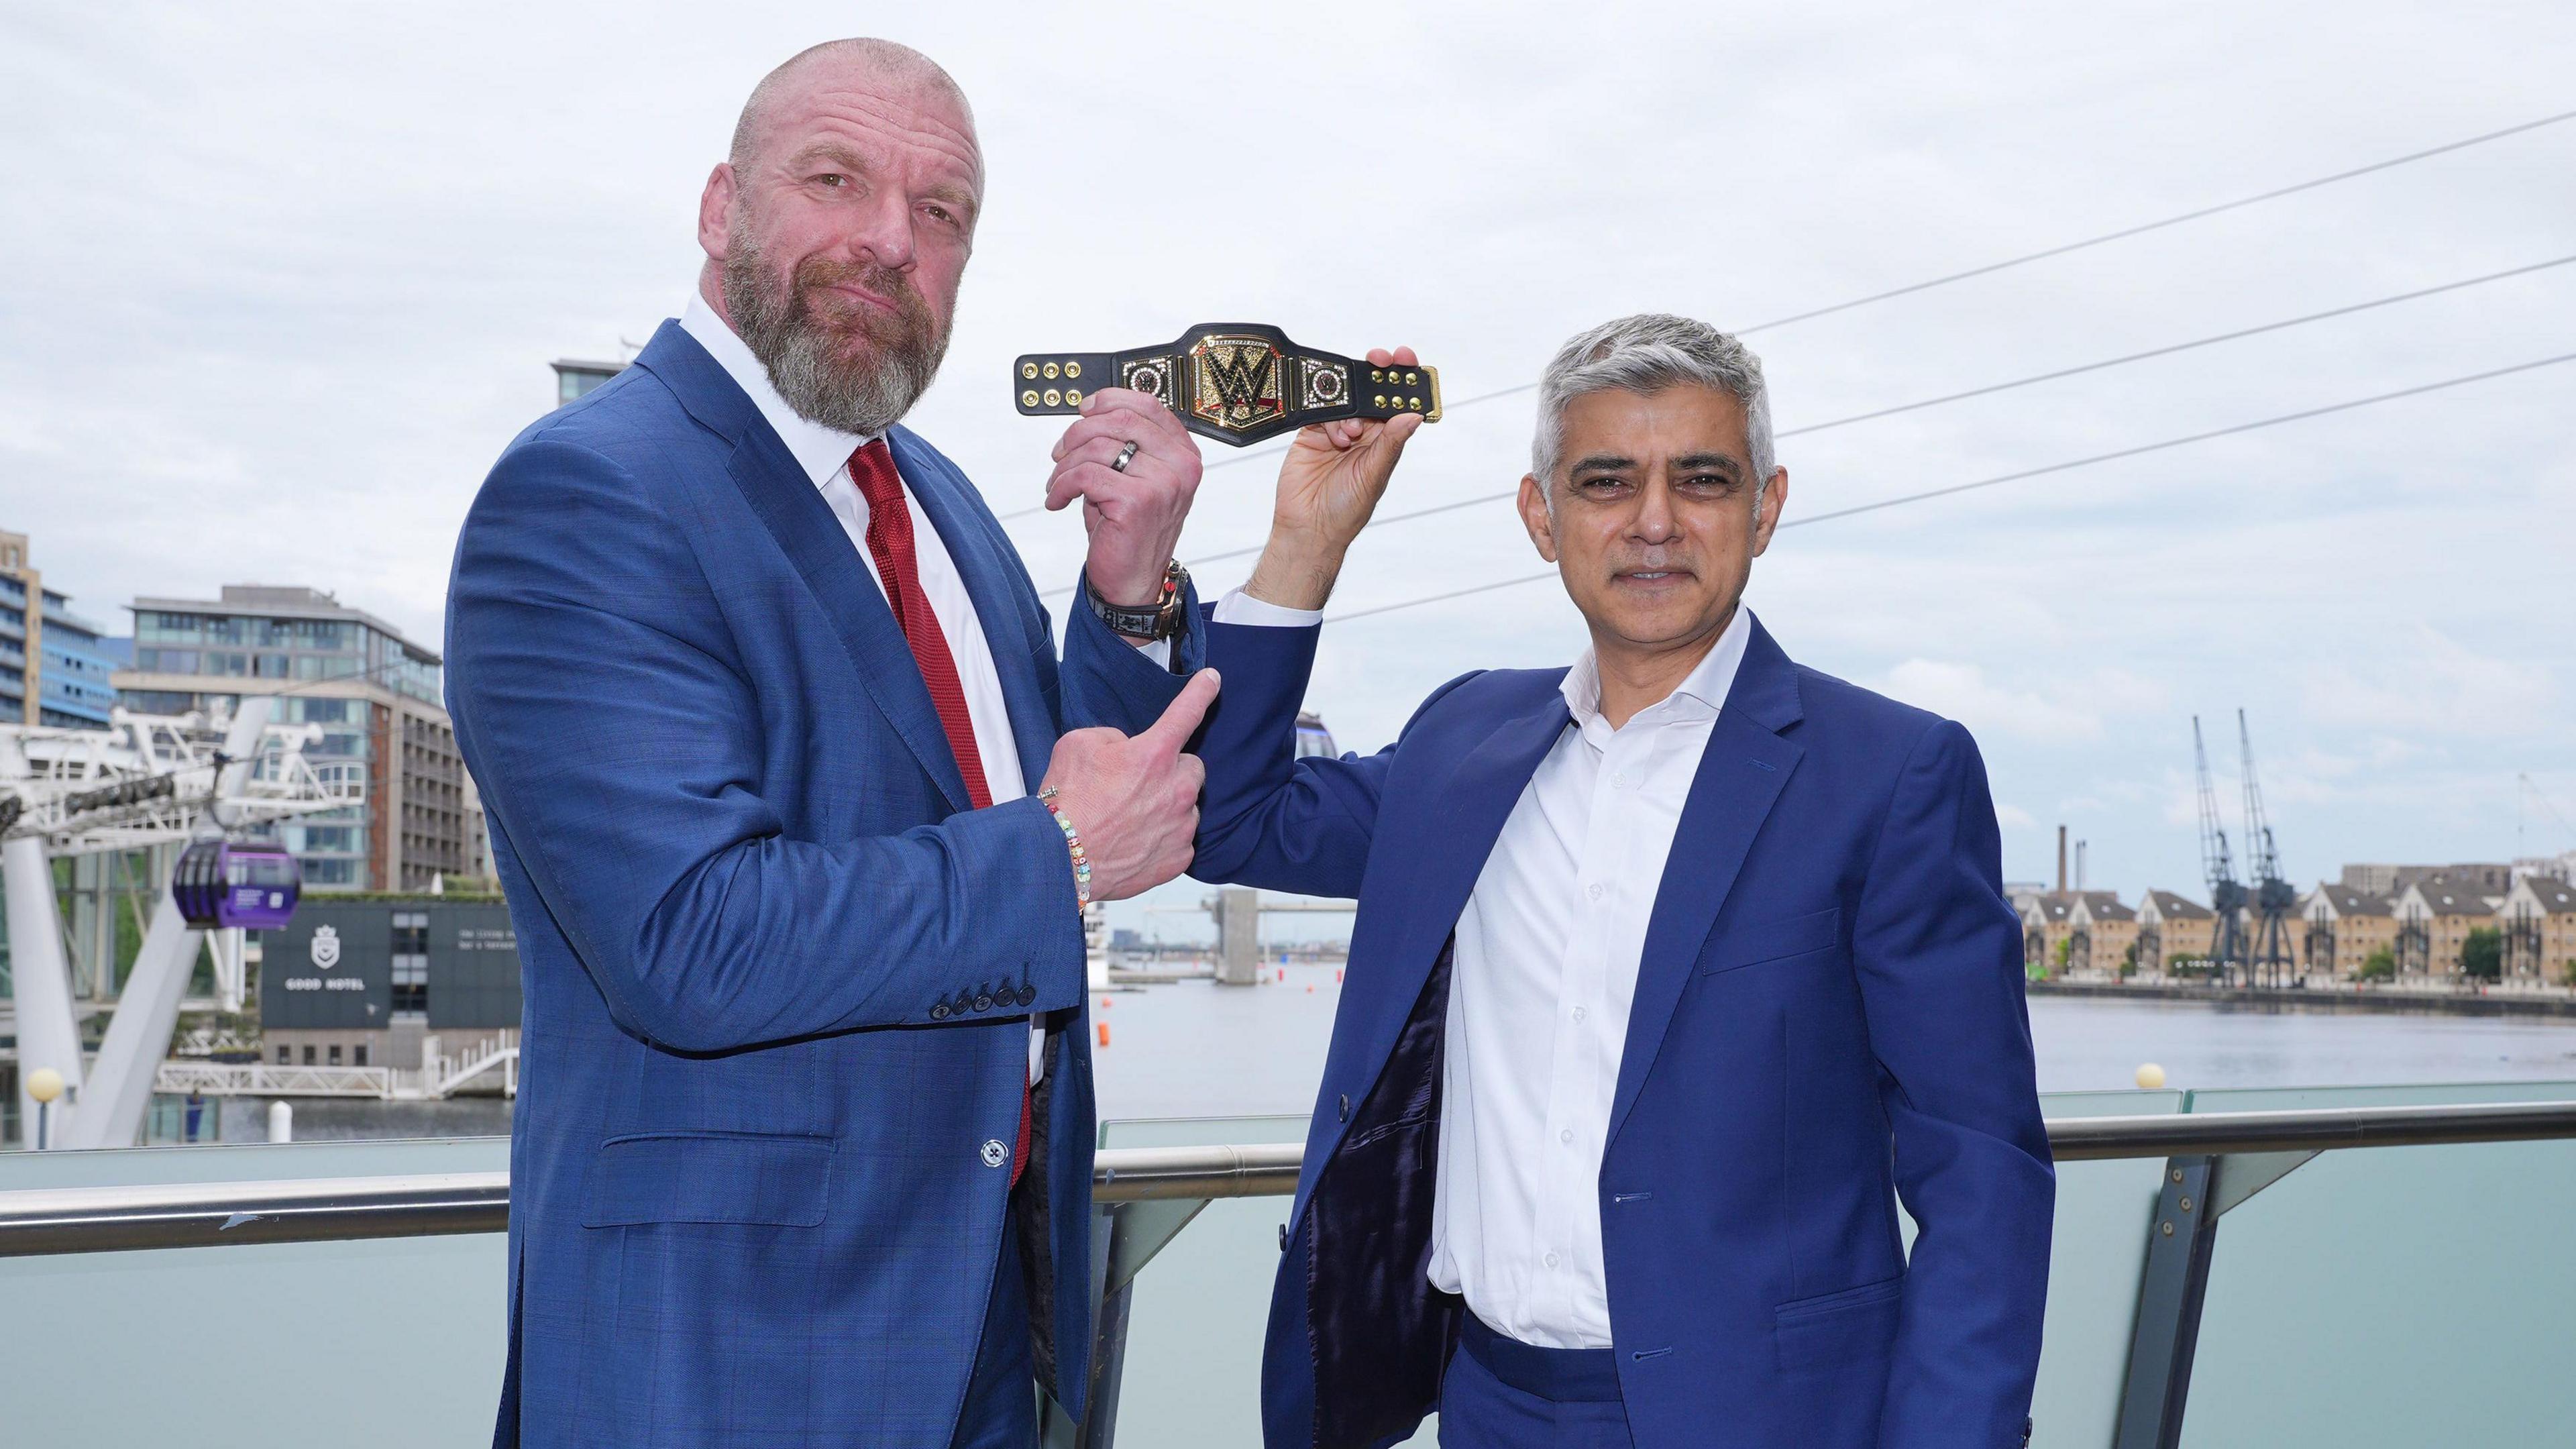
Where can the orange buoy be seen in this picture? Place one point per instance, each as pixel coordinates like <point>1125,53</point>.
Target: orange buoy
<point>1104,1033</point>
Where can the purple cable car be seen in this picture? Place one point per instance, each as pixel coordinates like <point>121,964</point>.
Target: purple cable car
<point>220,883</point>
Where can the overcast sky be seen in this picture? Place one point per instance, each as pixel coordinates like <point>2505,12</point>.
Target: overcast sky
<point>281,282</point>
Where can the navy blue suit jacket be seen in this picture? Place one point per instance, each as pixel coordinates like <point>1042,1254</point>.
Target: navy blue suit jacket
<point>1828,1017</point>
<point>778,975</point>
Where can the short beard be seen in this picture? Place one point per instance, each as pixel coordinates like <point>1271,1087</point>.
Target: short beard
<point>849,366</point>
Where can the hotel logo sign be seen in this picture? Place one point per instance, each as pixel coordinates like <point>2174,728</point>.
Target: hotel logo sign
<point>326,947</point>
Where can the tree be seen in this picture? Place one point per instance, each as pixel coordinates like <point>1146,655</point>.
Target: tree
<point>2482,954</point>
<point>2379,965</point>
<point>2129,962</point>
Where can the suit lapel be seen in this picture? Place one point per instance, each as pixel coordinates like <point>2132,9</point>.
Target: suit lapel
<point>1741,774</point>
<point>991,578</point>
<point>792,509</point>
<point>1452,839</point>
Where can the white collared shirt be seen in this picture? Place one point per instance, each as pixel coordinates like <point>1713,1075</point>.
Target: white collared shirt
<point>1546,967</point>
<point>1539,990</point>
<point>824,454</point>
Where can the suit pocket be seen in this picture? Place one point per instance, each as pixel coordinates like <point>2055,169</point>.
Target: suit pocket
<point>1830,1330</point>
<point>778,1179</point>
<point>1762,941</point>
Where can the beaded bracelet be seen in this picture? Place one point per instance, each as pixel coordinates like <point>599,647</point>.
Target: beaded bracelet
<point>1073,843</point>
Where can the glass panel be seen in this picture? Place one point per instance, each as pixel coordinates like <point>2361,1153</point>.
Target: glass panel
<point>2392,1297</point>
<point>333,1316</point>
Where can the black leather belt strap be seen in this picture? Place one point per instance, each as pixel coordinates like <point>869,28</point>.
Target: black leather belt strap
<point>1236,382</point>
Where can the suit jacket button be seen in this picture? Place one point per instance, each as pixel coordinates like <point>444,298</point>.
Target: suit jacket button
<point>1028,996</point>
<point>939,1012</point>
<point>983,1003</point>
<point>995,1154</point>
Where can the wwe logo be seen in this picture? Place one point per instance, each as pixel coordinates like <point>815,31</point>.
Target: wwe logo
<point>1244,374</point>
<point>1238,381</point>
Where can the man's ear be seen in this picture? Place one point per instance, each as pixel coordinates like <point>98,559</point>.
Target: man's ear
<point>715,212</point>
<point>1535,518</point>
<point>1769,503</point>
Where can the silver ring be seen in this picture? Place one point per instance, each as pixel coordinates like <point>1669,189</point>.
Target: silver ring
<point>1125,456</point>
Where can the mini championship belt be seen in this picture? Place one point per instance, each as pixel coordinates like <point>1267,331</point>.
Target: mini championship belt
<point>1236,382</point>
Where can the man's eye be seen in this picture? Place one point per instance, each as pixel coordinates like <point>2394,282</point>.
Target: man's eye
<point>940,212</point>
<point>831,178</point>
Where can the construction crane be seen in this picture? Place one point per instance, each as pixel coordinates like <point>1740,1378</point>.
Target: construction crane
<point>2226,893</point>
<point>2267,954</point>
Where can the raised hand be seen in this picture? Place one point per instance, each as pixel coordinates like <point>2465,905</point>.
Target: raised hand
<point>1329,484</point>
<point>1134,515</point>
<point>1135,799</point>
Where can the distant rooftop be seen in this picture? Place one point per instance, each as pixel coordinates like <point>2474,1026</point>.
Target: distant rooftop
<point>281,601</point>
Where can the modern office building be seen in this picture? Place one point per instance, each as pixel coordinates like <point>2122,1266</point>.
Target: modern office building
<point>56,668</point>
<point>574,378</point>
<point>384,983</point>
<point>375,695</point>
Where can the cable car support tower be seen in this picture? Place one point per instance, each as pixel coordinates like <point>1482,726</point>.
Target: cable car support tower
<point>147,780</point>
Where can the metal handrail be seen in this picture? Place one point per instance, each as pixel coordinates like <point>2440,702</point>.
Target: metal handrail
<point>191,1215</point>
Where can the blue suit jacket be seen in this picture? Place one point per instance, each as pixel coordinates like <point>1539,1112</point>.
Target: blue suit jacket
<point>1828,1016</point>
<point>778,975</point>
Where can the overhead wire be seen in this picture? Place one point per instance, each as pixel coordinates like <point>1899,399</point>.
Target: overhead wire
<point>2025,473</point>
<point>1989,389</point>
<point>2026,258</point>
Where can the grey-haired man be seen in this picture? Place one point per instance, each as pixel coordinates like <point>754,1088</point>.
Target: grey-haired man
<point>1674,972</point>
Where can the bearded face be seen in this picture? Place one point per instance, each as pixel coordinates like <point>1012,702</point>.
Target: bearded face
<point>839,361</point>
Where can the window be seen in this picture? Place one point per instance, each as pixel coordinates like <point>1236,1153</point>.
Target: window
<point>411,963</point>
<point>271,666</point>
<point>285,1055</point>
<point>358,1055</point>
<point>335,1054</point>
<point>308,1054</point>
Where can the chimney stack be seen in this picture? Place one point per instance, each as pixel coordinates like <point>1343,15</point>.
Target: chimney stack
<point>2061,860</point>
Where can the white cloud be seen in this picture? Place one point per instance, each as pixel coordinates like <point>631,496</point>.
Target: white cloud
<point>1960,691</point>
<point>2425,681</point>
<point>2013,817</point>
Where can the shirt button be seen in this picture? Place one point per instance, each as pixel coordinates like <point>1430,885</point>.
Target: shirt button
<point>1619,781</point>
<point>1578,1013</point>
<point>1565,1134</point>
<point>1550,1260</point>
<point>1593,890</point>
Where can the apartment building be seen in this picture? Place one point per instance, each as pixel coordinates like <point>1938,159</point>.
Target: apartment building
<point>2172,927</point>
<point>2341,928</point>
<point>373,693</point>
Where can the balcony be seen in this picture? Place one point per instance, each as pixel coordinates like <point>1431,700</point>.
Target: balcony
<point>2393,1270</point>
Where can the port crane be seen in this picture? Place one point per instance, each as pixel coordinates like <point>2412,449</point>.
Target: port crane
<point>2270,898</point>
<point>2227,894</point>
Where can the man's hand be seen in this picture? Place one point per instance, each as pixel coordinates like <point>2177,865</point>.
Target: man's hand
<point>1134,516</point>
<point>1135,801</point>
<point>1329,484</point>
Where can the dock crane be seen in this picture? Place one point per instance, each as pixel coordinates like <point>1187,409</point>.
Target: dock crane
<point>2272,898</point>
<point>2226,893</point>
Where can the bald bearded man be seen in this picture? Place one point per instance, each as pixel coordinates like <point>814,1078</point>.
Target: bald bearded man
<point>796,824</point>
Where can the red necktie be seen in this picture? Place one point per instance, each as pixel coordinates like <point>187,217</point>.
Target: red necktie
<point>899,569</point>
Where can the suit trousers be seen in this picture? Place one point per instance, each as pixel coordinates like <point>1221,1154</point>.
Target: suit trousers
<point>1500,1393</point>
<point>1001,1408</point>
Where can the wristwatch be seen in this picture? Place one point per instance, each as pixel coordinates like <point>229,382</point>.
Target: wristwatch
<point>1158,620</point>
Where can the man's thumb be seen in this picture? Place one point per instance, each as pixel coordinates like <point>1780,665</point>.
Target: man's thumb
<point>1181,720</point>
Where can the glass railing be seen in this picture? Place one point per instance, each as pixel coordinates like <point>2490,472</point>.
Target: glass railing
<point>2394,1269</point>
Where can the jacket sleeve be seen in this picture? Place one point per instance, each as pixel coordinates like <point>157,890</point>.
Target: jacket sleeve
<point>598,697</point>
<point>1939,955</point>
<point>1268,818</point>
<point>1109,681</point>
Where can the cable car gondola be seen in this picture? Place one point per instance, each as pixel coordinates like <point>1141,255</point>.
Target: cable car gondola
<point>225,884</point>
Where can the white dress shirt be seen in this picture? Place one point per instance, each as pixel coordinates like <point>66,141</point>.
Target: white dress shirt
<point>824,454</point>
<point>1539,990</point>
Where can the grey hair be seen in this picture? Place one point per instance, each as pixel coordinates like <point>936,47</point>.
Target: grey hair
<point>1646,354</point>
